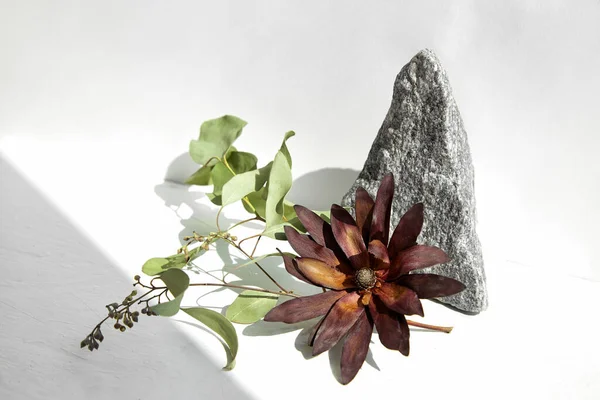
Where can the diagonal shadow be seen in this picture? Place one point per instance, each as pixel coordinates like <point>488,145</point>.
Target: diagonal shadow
<point>54,286</point>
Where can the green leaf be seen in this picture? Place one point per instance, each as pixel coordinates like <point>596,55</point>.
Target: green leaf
<point>169,308</point>
<point>250,306</point>
<point>216,135</point>
<point>220,176</point>
<point>177,282</point>
<point>258,201</point>
<point>280,182</point>
<point>221,326</point>
<point>239,162</point>
<point>201,177</point>
<point>155,266</point>
<point>284,148</point>
<point>241,185</point>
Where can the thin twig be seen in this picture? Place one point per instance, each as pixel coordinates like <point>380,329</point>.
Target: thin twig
<point>258,265</point>
<point>228,285</point>
<point>445,329</point>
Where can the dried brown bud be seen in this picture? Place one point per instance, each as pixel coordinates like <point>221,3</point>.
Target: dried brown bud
<point>98,335</point>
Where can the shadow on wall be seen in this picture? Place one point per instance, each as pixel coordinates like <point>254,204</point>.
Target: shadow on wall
<point>318,190</point>
<point>53,292</point>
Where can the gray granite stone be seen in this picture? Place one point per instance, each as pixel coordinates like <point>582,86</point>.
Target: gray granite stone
<point>424,144</point>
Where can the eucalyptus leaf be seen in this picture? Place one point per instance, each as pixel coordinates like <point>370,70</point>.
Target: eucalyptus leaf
<point>259,202</point>
<point>155,266</point>
<point>201,177</point>
<point>243,184</point>
<point>239,162</point>
<point>250,306</point>
<point>176,281</point>
<point>221,326</point>
<point>280,182</point>
<point>169,308</point>
<point>216,135</point>
<point>220,175</point>
<point>284,148</point>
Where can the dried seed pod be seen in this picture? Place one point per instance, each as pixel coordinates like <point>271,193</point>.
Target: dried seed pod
<point>98,335</point>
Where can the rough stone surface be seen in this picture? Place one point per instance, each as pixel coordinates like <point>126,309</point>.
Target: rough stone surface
<point>424,144</point>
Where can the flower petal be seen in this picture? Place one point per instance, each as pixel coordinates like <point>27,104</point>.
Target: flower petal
<point>292,268</point>
<point>324,275</point>
<point>344,313</point>
<point>306,247</point>
<point>363,207</point>
<point>304,308</point>
<point>428,286</point>
<point>378,255</point>
<point>399,298</point>
<point>380,226</point>
<point>406,233</point>
<point>356,347</point>
<point>392,327</point>
<point>314,224</point>
<point>415,257</point>
<point>314,331</point>
<point>349,237</point>
<point>319,230</point>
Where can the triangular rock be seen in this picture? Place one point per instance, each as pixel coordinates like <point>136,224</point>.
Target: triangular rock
<point>424,144</point>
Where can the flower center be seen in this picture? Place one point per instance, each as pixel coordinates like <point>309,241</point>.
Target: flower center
<point>365,278</point>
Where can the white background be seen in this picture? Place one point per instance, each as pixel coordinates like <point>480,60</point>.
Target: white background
<point>99,99</point>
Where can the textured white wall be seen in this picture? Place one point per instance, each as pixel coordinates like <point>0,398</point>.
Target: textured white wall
<point>98,98</point>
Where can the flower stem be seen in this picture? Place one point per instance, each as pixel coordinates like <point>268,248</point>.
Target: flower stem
<point>445,329</point>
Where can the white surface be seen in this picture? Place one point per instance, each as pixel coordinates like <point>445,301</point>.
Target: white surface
<point>97,100</point>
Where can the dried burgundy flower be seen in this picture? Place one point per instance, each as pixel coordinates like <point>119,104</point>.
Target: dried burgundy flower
<point>368,275</point>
